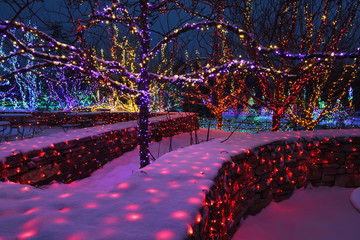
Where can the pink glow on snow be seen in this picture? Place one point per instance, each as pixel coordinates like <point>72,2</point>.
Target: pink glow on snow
<point>107,232</point>
<point>164,171</point>
<point>134,217</point>
<point>164,235</point>
<point>65,195</point>
<point>180,215</point>
<point>24,189</point>
<point>32,223</point>
<point>64,210</point>
<point>77,236</point>
<point>156,200</point>
<point>60,220</point>
<point>152,190</point>
<point>123,186</point>
<point>114,195</point>
<point>111,220</point>
<point>132,207</point>
<point>192,180</point>
<point>31,211</point>
<point>91,205</point>
<point>27,234</point>
<point>174,184</point>
<point>115,216</point>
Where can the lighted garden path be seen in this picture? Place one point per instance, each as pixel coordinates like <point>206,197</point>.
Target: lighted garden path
<point>159,202</point>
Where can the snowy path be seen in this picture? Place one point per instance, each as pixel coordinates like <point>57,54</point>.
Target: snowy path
<point>311,214</point>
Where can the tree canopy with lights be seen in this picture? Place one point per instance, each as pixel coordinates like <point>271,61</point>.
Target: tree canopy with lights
<point>151,27</point>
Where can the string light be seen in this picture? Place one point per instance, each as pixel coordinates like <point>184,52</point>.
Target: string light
<point>49,52</point>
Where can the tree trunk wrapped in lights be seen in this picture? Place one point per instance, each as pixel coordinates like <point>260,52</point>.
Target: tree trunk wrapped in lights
<point>305,29</point>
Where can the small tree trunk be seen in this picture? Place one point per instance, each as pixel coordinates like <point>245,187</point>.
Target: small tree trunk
<point>143,136</point>
<point>219,121</point>
<point>276,121</point>
<point>143,86</point>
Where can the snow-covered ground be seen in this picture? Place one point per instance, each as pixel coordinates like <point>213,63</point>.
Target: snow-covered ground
<point>314,213</point>
<point>107,206</point>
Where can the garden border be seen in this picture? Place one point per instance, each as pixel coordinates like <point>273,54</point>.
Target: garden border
<point>65,157</point>
<point>271,171</point>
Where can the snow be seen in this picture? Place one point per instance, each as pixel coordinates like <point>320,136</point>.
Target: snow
<point>39,142</point>
<point>355,199</point>
<point>119,202</point>
<point>312,214</point>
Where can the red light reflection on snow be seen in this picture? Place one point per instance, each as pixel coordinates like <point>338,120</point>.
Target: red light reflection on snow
<point>192,181</point>
<point>206,188</point>
<point>164,235</point>
<point>108,232</point>
<point>164,171</point>
<point>77,236</point>
<point>155,200</point>
<point>31,223</point>
<point>123,186</point>
<point>174,184</point>
<point>152,190</point>
<point>60,220</point>
<point>111,220</point>
<point>180,215</point>
<point>132,207</point>
<point>27,234</point>
<point>65,195</point>
<point>134,217</point>
<point>114,195</point>
<point>24,189</point>
<point>194,201</point>
<point>31,211</point>
<point>64,210</point>
<point>91,205</point>
<point>35,198</point>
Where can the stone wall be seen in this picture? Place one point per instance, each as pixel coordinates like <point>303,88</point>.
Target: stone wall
<point>272,172</point>
<point>73,159</point>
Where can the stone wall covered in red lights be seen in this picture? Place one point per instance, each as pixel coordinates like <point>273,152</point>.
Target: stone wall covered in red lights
<point>73,159</point>
<point>272,172</point>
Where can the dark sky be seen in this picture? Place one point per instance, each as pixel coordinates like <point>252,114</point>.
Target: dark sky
<point>7,12</point>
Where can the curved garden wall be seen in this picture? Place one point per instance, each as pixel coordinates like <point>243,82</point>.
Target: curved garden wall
<point>65,157</point>
<point>271,170</point>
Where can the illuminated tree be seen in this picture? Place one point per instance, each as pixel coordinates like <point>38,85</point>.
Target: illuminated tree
<point>25,87</point>
<point>222,91</point>
<point>323,98</point>
<point>67,90</point>
<point>139,19</point>
<point>135,19</point>
<point>305,29</point>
